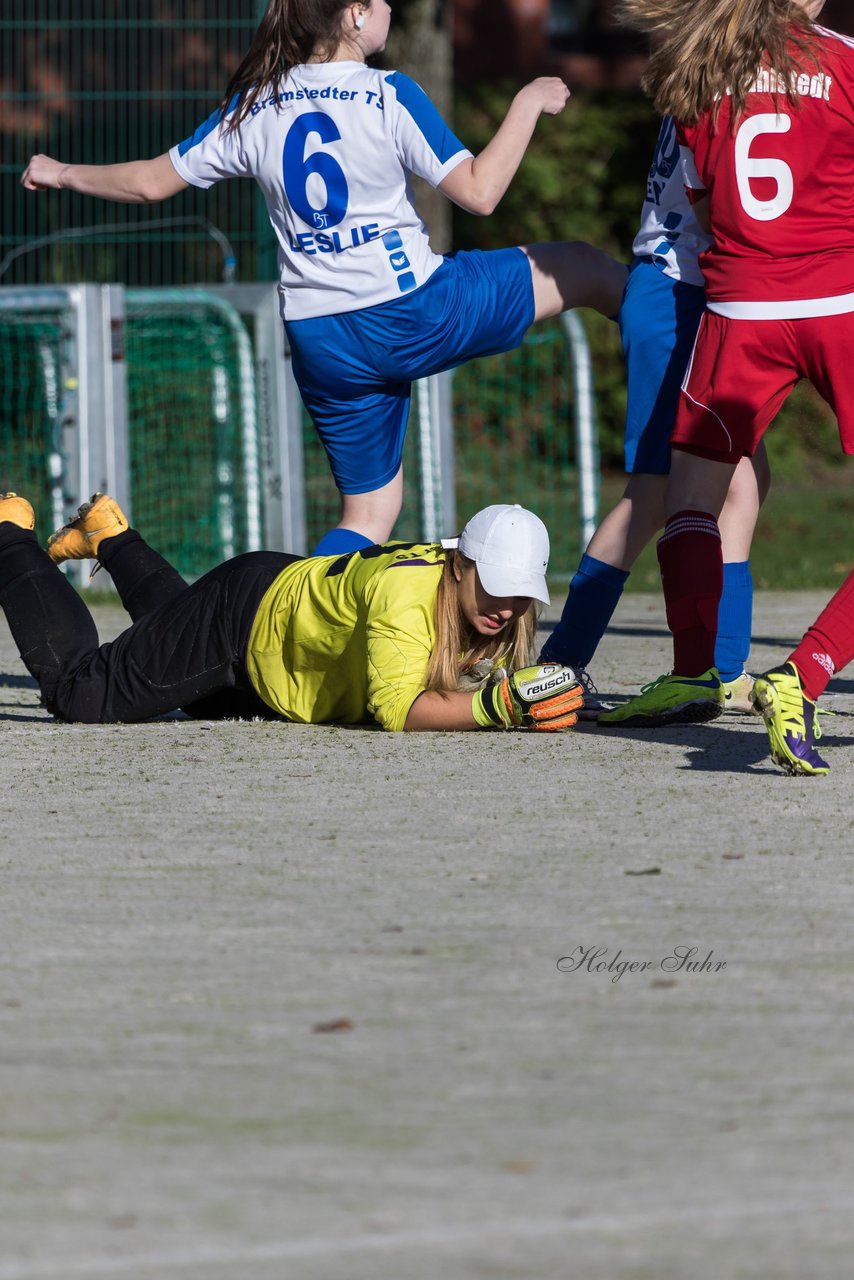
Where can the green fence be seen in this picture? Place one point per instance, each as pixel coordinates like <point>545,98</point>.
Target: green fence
<point>100,81</point>
<point>515,439</point>
<point>33,373</point>
<point>192,429</point>
<point>193,436</point>
<point>193,440</point>
<point>323,504</point>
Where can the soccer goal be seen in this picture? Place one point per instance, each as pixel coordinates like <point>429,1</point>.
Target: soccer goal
<point>182,403</point>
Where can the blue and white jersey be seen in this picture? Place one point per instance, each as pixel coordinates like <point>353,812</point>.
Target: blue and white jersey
<point>669,232</point>
<point>332,152</point>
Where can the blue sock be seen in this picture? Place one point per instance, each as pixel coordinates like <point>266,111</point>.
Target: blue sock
<point>594,594</point>
<point>337,542</point>
<point>735,620</point>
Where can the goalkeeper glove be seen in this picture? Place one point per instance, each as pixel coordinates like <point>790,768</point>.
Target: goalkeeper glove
<point>545,697</point>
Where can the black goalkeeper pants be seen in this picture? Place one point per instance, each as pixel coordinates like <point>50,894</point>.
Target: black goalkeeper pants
<point>186,648</point>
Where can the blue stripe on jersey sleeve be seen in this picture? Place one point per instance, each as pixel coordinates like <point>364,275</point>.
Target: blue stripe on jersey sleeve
<point>439,138</point>
<point>207,127</point>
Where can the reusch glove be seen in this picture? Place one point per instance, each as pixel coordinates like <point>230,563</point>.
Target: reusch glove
<point>545,697</point>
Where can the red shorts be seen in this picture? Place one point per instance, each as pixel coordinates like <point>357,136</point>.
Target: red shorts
<point>741,372</point>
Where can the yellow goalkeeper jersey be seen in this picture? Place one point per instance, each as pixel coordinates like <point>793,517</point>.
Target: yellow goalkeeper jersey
<point>348,638</point>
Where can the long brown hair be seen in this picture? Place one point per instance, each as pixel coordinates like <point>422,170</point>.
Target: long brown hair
<point>291,32</point>
<point>706,49</point>
<point>458,649</point>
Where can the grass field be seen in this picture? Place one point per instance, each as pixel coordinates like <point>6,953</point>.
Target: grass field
<point>797,525</point>
<point>284,1002</point>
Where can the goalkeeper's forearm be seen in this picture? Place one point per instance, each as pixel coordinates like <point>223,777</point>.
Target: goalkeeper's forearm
<point>441,711</point>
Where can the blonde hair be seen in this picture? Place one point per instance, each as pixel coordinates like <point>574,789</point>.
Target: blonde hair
<point>457,649</point>
<point>707,49</point>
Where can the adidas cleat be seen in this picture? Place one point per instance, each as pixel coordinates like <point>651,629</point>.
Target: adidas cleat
<point>17,511</point>
<point>671,699</point>
<point>791,719</point>
<point>99,518</point>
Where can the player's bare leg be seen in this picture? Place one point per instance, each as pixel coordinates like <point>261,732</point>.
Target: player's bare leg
<point>373,514</point>
<point>747,491</point>
<point>697,484</point>
<point>639,514</point>
<point>569,274</point>
<point>632,523</point>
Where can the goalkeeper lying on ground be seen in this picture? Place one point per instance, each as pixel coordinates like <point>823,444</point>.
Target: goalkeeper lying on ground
<point>392,633</point>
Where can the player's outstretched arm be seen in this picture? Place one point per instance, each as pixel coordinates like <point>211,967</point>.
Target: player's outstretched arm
<point>432,711</point>
<point>137,182</point>
<point>478,184</point>
<point>545,697</point>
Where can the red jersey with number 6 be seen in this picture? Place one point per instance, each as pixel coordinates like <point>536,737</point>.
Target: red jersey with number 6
<point>781,192</point>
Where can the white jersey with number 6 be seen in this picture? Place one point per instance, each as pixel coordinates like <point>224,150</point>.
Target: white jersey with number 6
<point>332,153</point>
<point>781,192</point>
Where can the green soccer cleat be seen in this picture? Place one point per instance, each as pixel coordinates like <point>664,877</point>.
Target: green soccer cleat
<point>791,719</point>
<point>671,700</point>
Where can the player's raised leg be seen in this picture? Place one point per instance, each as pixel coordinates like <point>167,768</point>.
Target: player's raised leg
<point>100,531</point>
<point>568,274</point>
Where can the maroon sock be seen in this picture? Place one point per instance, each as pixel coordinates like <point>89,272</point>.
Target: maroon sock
<point>689,554</point>
<point>828,646</point>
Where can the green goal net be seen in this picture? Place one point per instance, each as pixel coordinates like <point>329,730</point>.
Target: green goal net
<point>192,428</point>
<point>33,382</point>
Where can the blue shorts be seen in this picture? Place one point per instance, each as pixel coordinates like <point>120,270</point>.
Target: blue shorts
<point>354,370</point>
<point>659,318</point>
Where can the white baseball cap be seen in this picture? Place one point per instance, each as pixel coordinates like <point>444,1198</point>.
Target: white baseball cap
<point>510,547</point>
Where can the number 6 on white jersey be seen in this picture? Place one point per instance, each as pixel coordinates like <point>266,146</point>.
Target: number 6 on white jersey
<point>747,167</point>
